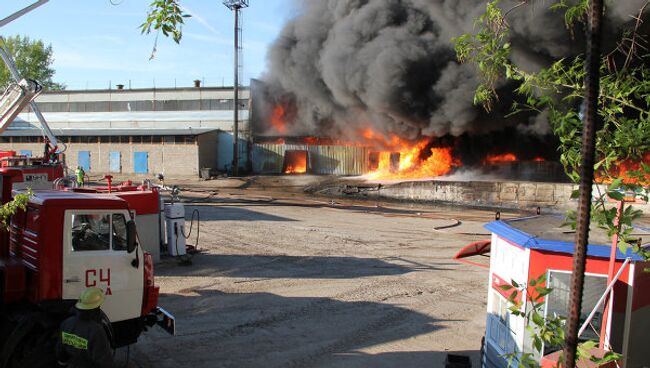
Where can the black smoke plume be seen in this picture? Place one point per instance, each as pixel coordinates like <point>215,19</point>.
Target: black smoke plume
<point>389,64</point>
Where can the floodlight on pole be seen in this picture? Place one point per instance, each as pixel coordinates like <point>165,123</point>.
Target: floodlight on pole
<point>236,6</point>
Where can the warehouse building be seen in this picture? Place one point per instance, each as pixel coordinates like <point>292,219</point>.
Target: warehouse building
<point>136,131</point>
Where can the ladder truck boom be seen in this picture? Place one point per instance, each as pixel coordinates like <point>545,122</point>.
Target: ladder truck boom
<point>22,92</point>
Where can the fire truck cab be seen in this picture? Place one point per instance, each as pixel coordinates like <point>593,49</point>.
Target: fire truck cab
<point>62,243</point>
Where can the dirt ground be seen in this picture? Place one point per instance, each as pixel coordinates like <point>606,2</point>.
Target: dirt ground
<point>284,279</point>
<point>288,280</point>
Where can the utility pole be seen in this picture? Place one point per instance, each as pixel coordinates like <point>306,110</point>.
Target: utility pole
<point>591,124</point>
<point>236,6</point>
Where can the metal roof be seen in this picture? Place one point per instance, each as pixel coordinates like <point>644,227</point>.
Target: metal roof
<point>127,90</point>
<point>545,233</point>
<point>108,132</point>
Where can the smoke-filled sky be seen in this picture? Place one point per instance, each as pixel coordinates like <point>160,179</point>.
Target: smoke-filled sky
<point>390,64</point>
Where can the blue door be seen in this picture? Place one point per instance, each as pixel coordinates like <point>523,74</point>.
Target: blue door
<point>83,160</point>
<point>141,162</point>
<point>27,153</point>
<point>115,162</point>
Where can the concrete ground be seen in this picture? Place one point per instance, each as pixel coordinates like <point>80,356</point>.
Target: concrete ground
<point>287,280</point>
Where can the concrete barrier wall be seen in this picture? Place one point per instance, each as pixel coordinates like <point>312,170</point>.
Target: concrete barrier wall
<point>514,195</point>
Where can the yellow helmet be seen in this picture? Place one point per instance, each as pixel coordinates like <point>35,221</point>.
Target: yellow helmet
<point>91,298</point>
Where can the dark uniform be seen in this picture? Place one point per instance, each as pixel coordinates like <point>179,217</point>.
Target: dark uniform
<point>83,342</point>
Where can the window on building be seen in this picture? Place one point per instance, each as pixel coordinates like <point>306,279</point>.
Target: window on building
<point>98,106</point>
<point>142,106</point>
<point>156,139</point>
<point>189,105</point>
<point>53,106</point>
<point>119,106</point>
<point>205,104</point>
<point>558,300</point>
<point>224,104</point>
<point>124,139</point>
<point>44,106</point>
<point>136,139</point>
<point>146,139</point>
<point>26,139</point>
<point>77,107</point>
<point>499,324</point>
<point>115,139</point>
<point>168,139</point>
<point>104,139</point>
<point>183,139</point>
<point>167,105</point>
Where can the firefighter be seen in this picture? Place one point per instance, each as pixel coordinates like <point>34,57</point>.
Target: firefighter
<point>80,175</point>
<point>49,153</point>
<point>83,341</point>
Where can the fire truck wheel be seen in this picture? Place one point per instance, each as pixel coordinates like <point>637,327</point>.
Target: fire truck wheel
<point>35,348</point>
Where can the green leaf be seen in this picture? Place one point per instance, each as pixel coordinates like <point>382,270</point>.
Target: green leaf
<point>618,196</point>
<point>615,184</point>
<point>538,319</point>
<point>623,246</point>
<point>513,297</point>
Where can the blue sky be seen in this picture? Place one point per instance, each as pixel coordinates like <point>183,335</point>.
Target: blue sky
<point>95,42</point>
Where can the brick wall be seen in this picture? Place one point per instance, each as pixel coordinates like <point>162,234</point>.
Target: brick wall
<point>169,158</point>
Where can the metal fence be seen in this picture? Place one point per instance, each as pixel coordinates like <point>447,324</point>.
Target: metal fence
<point>323,160</point>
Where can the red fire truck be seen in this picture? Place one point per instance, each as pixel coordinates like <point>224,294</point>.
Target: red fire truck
<point>62,243</point>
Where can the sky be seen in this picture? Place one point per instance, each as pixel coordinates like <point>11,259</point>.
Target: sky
<point>96,43</point>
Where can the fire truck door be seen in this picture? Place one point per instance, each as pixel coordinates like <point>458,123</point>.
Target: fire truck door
<point>95,255</point>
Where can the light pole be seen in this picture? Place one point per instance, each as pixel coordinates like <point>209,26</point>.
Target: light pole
<point>236,6</point>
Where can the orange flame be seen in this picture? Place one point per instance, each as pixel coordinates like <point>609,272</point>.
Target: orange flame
<point>409,164</point>
<point>295,162</point>
<point>497,158</point>
<point>277,119</point>
<point>298,169</point>
<point>623,170</point>
<point>539,159</point>
<point>311,140</point>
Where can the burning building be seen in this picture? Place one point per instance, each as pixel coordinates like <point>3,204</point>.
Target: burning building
<point>373,88</point>
<point>282,145</point>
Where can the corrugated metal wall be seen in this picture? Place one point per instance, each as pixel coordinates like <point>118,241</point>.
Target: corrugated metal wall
<point>323,160</point>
